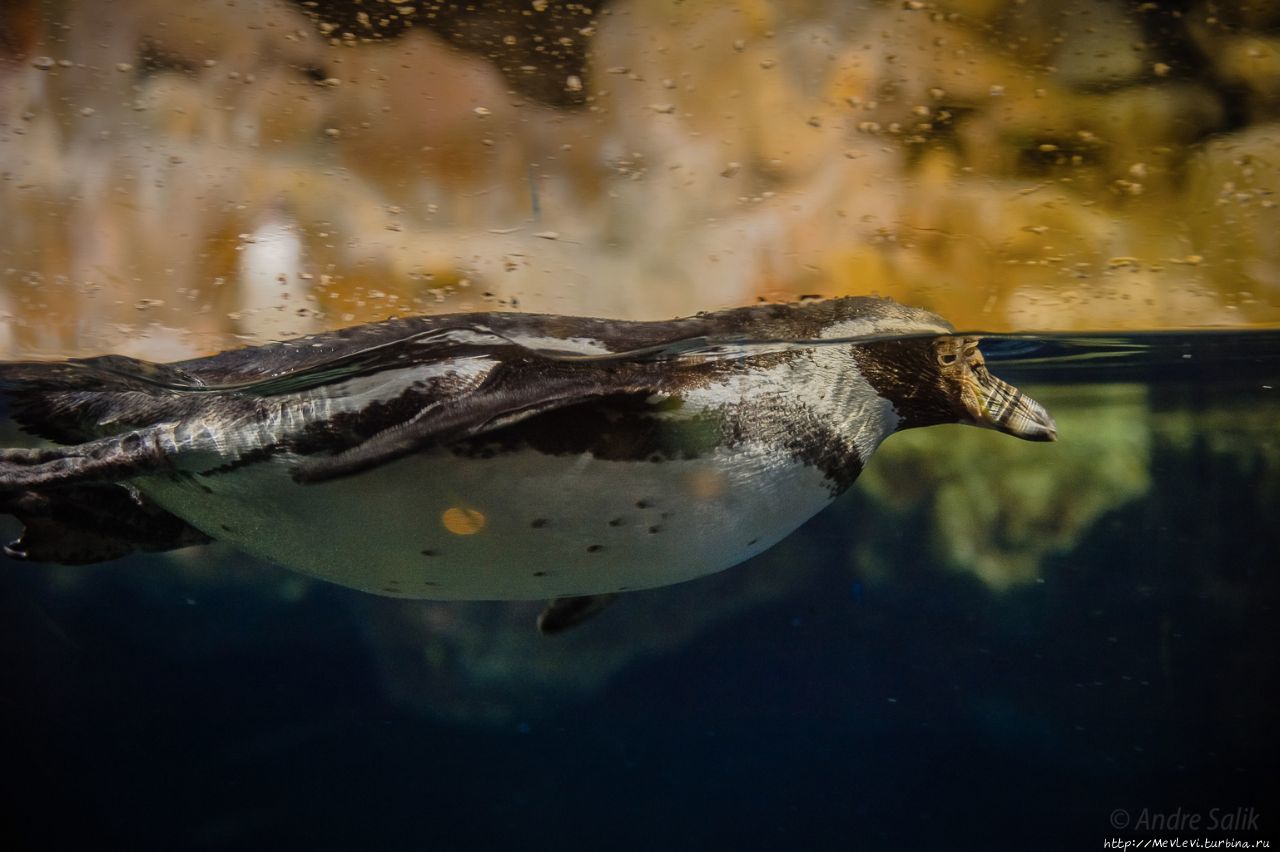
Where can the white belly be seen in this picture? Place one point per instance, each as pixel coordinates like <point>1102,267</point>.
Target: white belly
<point>517,526</point>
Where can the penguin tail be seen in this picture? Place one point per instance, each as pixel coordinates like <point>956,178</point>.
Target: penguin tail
<point>73,500</point>
<point>83,524</point>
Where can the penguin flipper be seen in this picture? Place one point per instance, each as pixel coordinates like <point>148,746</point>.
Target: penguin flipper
<point>562,614</point>
<point>83,524</point>
<point>103,460</point>
<point>511,394</point>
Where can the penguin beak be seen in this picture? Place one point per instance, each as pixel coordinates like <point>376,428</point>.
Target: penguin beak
<point>998,405</point>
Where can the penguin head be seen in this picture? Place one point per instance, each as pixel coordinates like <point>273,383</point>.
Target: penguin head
<point>932,380</point>
<point>985,400</point>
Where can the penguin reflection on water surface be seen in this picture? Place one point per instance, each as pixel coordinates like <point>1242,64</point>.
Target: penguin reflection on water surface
<point>491,455</point>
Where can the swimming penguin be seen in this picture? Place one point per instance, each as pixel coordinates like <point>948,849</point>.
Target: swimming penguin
<point>491,455</point>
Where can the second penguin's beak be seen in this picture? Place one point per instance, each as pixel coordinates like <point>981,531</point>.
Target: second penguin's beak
<point>998,405</point>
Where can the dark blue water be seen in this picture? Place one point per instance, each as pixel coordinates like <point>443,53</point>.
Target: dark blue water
<point>145,706</point>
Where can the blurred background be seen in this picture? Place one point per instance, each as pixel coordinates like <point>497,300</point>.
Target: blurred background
<point>175,178</point>
<point>981,644</point>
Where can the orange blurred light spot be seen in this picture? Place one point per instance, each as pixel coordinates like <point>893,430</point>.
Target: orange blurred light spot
<point>707,484</point>
<point>461,521</point>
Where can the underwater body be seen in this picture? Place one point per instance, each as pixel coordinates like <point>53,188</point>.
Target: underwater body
<point>1089,633</point>
<point>688,446</point>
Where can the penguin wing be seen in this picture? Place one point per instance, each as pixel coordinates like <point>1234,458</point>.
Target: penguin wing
<point>511,393</point>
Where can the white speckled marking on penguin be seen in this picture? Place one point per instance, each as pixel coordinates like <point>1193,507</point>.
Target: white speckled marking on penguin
<point>644,525</point>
